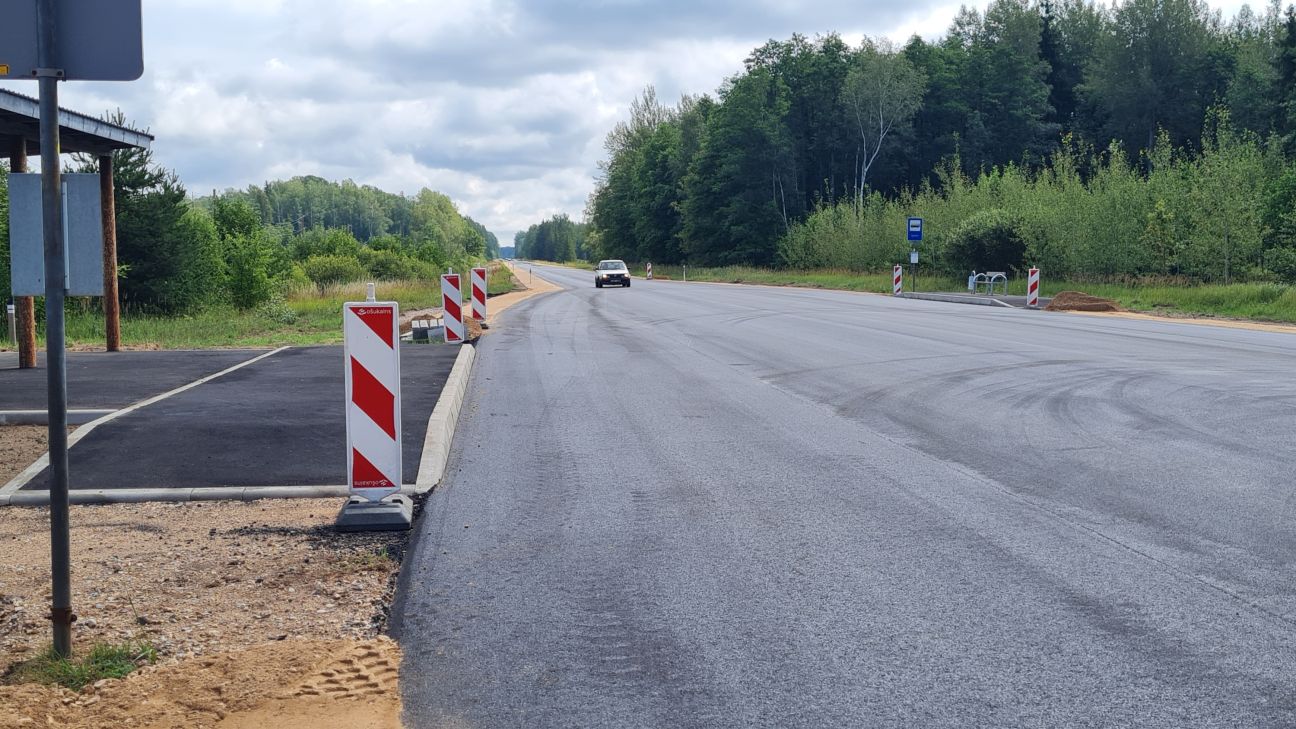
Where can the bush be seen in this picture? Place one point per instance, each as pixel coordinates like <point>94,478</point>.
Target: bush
<point>990,240</point>
<point>249,279</point>
<point>276,310</point>
<point>1282,261</point>
<point>388,265</point>
<point>327,270</point>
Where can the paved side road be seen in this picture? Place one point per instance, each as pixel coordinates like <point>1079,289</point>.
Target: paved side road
<point>694,505</point>
<point>276,422</point>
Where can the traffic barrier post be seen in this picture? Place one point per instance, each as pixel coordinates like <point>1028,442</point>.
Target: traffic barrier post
<point>1032,288</point>
<point>479,294</point>
<point>371,338</point>
<point>452,305</point>
<point>897,280</point>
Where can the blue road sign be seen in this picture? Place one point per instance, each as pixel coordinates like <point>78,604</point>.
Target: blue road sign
<point>915,229</point>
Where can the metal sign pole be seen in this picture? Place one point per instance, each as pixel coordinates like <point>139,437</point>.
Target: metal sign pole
<point>55,283</point>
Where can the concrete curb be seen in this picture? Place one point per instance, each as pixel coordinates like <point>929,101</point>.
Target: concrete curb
<point>441,426</point>
<point>41,417</point>
<point>956,299</point>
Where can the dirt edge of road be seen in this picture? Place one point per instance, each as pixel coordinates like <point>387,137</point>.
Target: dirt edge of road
<point>260,612</point>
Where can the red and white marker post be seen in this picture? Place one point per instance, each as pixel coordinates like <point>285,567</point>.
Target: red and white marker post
<point>479,294</point>
<point>452,306</point>
<point>897,280</point>
<point>371,332</point>
<point>1032,288</point>
<point>649,275</point>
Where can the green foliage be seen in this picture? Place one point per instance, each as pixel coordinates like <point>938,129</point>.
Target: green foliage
<point>249,280</point>
<point>556,239</point>
<point>103,661</point>
<point>327,270</point>
<point>1282,261</point>
<point>990,240</point>
<point>387,265</point>
<point>1128,140</point>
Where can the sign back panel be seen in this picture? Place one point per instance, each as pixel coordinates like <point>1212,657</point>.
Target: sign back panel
<point>98,40</point>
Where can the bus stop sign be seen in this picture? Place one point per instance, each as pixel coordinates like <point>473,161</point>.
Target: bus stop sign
<point>98,40</point>
<point>915,229</point>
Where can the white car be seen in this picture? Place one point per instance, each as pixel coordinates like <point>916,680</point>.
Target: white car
<point>611,272</point>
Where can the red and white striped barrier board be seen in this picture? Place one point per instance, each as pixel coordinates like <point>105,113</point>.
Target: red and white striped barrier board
<point>479,294</point>
<point>452,305</point>
<point>370,330</point>
<point>1032,288</point>
<point>649,275</point>
<point>897,280</point>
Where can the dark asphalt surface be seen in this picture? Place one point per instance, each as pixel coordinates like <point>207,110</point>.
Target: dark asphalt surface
<point>689,505</point>
<point>103,380</point>
<point>277,422</point>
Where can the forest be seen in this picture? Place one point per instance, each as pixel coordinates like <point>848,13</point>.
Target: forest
<point>1151,139</point>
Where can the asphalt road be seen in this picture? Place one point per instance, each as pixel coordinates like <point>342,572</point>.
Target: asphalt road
<point>688,505</point>
<point>279,421</point>
<point>112,380</point>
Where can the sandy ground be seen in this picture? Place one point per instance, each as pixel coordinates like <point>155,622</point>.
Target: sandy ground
<point>224,591</point>
<point>20,446</point>
<point>533,286</point>
<point>1202,320</point>
<point>295,684</point>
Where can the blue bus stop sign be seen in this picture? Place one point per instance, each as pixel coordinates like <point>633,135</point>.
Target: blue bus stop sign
<point>915,229</point>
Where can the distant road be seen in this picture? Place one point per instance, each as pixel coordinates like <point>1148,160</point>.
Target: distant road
<point>697,505</point>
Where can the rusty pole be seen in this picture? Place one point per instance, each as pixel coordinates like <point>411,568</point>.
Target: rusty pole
<point>26,305</point>
<point>111,305</point>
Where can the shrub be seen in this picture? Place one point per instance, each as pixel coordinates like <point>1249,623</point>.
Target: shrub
<point>327,270</point>
<point>990,240</point>
<point>1282,261</point>
<point>249,279</point>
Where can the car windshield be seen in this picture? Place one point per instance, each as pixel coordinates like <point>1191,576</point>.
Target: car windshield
<point>610,265</point>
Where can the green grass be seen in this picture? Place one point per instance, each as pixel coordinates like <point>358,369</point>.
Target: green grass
<point>302,317</point>
<point>499,280</point>
<point>103,661</point>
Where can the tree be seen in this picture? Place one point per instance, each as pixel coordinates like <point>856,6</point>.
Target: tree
<point>1153,70</point>
<point>735,206</point>
<point>882,89</point>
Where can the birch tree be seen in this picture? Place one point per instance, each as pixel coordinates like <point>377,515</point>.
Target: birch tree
<point>882,90</point>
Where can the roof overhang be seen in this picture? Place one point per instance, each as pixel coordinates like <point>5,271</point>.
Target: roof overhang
<point>20,119</point>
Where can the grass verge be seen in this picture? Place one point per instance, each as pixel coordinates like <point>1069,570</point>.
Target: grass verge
<point>304,316</point>
<point>1255,301</point>
<point>103,661</point>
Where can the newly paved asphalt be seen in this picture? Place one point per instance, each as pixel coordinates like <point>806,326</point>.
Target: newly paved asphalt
<point>690,505</point>
<point>112,380</point>
<point>279,421</point>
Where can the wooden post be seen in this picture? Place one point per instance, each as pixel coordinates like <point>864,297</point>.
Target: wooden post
<point>108,203</point>
<point>26,305</point>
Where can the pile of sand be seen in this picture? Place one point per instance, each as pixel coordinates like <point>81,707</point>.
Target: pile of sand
<point>294,684</point>
<point>1079,301</point>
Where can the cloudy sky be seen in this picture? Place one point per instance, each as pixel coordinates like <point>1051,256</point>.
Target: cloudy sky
<point>501,104</point>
